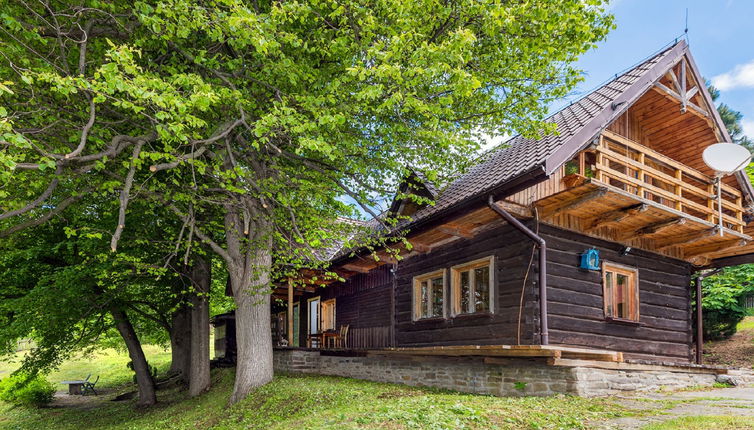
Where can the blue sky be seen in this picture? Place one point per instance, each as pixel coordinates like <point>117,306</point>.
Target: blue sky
<point>721,37</point>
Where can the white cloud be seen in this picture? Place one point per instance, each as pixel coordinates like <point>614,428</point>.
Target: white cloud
<point>748,126</point>
<point>742,76</point>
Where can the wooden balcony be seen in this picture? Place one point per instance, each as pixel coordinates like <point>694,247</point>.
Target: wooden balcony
<point>625,192</point>
<point>632,167</point>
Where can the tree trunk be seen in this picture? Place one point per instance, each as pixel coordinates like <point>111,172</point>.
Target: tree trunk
<point>199,377</point>
<point>144,379</point>
<point>254,342</point>
<point>180,342</point>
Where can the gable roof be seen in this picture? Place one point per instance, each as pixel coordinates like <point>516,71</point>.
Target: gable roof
<point>577,125</point>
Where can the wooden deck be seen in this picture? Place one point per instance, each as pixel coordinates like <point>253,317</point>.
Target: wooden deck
<point>490,352</point>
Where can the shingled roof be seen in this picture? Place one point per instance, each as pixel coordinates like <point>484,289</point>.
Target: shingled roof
<point>577,124</point>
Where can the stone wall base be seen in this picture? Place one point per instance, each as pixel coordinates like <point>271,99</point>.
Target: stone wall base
<point>514,377</point>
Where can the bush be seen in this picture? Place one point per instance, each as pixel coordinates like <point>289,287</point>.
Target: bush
<point>19,389</point>
<point>722,300</point>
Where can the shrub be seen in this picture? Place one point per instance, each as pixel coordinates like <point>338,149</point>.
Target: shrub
<point>19,389</point>
<point>722,300</point>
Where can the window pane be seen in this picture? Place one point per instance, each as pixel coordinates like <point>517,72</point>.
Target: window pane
<point>437,297</point>
<point>465,292</point>
<point>482,289</point>
<point>609,293</point>
<point>621,296</point>
<point>424,300</point>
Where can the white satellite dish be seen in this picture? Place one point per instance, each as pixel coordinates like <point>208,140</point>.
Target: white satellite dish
<point>725,159</point>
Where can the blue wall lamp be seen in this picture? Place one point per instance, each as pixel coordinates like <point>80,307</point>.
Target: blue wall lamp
<point>590,260</point>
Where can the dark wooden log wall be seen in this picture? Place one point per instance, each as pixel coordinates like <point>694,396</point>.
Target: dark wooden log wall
<point>362,302</point>
<point>512,253</point>
<point>575,300</point>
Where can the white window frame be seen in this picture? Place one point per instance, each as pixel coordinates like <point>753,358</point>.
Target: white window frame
<point>416,298</point>
<point>455,286</point>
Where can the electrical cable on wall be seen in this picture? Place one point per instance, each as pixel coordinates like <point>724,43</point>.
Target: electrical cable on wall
<point>526,278</point>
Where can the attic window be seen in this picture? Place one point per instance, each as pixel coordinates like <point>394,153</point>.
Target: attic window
<point>621,292</point>
<point>429,295</point>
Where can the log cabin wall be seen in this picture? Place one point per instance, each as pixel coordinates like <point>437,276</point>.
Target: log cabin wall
<point>575,300</point>
<point>363,303</point>
<point>512,252</point>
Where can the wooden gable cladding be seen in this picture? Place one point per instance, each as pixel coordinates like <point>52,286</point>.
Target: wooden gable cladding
<point>674,119</point>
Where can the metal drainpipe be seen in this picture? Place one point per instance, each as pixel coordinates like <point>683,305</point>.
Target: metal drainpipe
<point>699,326</point>
<point>542,245</point>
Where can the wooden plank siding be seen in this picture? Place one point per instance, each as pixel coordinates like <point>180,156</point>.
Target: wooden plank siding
<point>512,253</point>
<point>575,300</point>
<point>363,303</point>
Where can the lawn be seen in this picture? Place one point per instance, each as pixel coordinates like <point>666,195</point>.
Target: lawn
<point>108,364</point>
<point>319,402</point>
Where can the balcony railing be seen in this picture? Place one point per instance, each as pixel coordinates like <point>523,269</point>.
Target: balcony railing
<point>637,169</point>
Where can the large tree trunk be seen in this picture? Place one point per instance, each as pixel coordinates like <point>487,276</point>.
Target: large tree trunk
<point>199,376</point>
<point>254,342</point>
<point>144,379</point>
<point>180,342</point>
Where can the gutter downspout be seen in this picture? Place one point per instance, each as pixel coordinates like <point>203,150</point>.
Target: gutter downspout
<point>542,245</point>
<point>699,326</point>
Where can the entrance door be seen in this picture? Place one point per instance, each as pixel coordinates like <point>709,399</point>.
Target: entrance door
<point>313,315</point>
<point>296,324</point>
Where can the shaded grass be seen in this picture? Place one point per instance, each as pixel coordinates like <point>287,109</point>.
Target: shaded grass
<point>320,402</point>
<point>705,422</point>
<point>109,364</point>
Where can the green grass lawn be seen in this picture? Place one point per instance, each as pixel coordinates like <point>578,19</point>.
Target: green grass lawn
<point>109,364</point>
<point>319,402</point>
<point>315,402</point>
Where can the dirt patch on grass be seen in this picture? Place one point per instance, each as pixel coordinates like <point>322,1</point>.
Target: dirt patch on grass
<point>738,351</point>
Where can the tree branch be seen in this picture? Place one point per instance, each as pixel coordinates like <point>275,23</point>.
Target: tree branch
<point>124,196</point>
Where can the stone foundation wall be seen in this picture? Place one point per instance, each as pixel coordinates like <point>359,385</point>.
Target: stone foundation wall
<point>504,378</point>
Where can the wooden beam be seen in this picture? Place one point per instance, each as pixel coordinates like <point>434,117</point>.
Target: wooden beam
<point>667,92</point>
<point>615,216</point>
<point>419,247</point>
<point>721,246</point>
<point>454,231</point>
<point>653,228</point>
<point>290,312</point>
<point>574,203</point>
<point>356,268</point>
<point>688,239</point>
<point>682,88</point>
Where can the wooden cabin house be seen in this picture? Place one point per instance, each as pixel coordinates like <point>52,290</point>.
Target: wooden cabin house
<point>585,239</point>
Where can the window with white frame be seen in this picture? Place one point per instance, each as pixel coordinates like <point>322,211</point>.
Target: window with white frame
<point>472,286</point>
<point>429,295</point>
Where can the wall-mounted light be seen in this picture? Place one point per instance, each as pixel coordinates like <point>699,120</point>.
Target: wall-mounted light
<point>625,250</point>
<point>590,260</point>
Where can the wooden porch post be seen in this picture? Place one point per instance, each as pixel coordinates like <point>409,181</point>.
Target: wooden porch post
<point>290,312</point>
<point>699,326</point>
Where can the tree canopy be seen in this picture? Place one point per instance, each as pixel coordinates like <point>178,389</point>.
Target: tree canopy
<point>250,121</point>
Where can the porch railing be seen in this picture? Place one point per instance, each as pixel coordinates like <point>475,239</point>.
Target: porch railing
<point>637,169</point>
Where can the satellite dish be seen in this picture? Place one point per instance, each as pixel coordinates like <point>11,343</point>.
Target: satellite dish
<point>726,158</point>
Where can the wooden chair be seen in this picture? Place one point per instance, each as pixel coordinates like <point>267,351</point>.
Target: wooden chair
<point>342,340</point>
<point>88,387</point>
